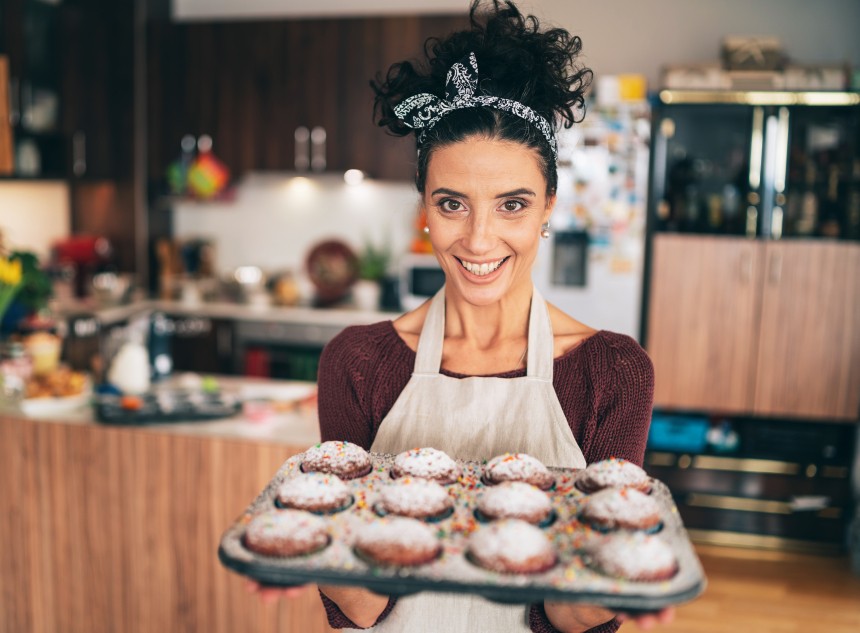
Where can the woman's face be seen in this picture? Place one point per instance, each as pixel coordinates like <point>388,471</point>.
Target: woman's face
<point>485,202</point>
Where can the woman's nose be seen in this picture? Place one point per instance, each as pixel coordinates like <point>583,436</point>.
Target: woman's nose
<point>479,235</point>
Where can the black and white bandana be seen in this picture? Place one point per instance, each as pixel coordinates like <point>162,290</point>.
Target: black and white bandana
<point>424,110</point>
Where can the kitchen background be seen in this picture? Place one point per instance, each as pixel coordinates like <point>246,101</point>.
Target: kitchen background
<point>203,150</point>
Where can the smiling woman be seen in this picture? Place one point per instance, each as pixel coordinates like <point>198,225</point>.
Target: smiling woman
<point>485,367</point>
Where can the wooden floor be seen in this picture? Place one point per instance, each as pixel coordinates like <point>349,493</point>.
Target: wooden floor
<point>751,590</point>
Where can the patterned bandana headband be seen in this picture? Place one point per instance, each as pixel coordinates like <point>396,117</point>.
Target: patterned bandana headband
<point>424,110</point>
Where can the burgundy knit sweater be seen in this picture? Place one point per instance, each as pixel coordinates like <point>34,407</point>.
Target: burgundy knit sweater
<point>605,386</point>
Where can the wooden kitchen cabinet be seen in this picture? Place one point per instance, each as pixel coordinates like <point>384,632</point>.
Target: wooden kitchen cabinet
<point>31,39</point>
<point>98,88</point>
<point>809,340</point>
<point>250,84</point>
<point>755,327</point>
<point>703,316</point>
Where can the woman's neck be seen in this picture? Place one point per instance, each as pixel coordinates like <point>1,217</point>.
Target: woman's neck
<point>484,326</point>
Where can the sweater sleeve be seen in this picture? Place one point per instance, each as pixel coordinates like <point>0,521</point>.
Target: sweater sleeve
<point>539,623</point>
<point>344,410</point>
<point>624,401</point>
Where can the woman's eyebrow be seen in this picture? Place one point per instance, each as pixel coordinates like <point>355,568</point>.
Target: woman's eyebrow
<point>522,191</point>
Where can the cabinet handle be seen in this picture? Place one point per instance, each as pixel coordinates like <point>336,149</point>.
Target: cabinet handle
<point>301,159</point>
<point>79,153</point>
<point>318,138</point>
<point>775,268</point>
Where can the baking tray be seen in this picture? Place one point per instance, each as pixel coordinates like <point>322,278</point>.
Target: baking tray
<point>572,579</point>
<point>167,406</point>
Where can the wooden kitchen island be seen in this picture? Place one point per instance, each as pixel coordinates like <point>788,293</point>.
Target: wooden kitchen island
<point>109,529</point>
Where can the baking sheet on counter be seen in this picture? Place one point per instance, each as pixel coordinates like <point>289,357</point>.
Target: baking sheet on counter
<point>572,579</point>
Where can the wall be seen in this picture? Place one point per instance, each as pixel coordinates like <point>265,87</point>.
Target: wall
<point>34,215</point>
<point>623,36</point>
<point>619,36</point>
<point>276,219</point>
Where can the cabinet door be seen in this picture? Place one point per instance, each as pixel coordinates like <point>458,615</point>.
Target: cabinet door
<point>702,320</point>
<point>809,348</point>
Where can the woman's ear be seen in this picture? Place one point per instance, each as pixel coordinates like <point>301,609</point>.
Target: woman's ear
<point>550,205</point>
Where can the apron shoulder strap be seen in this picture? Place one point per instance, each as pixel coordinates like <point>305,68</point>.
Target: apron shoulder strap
<point>539,364</point>
<point>428,357</point>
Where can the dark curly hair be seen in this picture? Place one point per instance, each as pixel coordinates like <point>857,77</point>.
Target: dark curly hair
<point>515,61</point>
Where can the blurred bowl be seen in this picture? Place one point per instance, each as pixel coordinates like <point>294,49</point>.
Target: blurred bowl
<point>332,267</point>
<point>112,288</point>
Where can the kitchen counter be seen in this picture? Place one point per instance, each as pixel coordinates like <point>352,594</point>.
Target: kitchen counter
<point>116,528</point>
<point>337,317</point>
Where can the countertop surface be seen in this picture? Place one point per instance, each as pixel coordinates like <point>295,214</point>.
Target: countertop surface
<point>336,317</point>
<point>291,418</point>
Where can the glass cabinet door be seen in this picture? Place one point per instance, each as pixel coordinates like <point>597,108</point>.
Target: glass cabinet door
<point>821,197</point>
<point>701,171</point>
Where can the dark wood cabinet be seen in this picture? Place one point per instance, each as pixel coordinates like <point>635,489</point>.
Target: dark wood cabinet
<point>249,85</point>
<point>31,39</point>
<point>98,88</point>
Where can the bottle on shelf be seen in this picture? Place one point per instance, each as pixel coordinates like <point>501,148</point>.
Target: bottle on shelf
<point>852,206</point>
<point>829,225</point>
<point>808,219</point>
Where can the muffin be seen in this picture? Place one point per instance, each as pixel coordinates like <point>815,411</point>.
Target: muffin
<point>613,473</point>
<point>416,498</point>
<point>515,500</point>
<point>518,467</point>
<point>635,556</point>
<point>285,533</point>
<point>344,459</point>
<point>427,463</point>
<point>398,542</point>
<point>511,546</point>
<point>316,492</point>
<point>625,508</point>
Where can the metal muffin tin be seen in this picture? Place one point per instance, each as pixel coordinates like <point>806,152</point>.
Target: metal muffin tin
<point>572,579</point>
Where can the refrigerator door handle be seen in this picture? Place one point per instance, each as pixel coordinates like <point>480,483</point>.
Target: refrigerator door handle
<point>769,175</point>
<point>756,149</point>
<point>780,169</point>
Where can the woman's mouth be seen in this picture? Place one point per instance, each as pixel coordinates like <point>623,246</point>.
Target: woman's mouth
<point>484,268</point>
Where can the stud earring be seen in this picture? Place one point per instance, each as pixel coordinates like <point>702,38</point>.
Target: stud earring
<point>427,230</point>
<point>544,230</point>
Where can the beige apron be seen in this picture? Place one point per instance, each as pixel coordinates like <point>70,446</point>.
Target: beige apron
<point>475,418</point>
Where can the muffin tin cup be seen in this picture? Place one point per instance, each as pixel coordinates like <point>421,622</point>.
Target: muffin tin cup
<point>571,579</point>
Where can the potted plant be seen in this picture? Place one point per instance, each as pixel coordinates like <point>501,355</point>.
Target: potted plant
<point>372,268</point>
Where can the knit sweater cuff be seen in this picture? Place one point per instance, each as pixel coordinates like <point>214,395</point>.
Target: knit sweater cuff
<point>337,619</point>
<point>539,623</point>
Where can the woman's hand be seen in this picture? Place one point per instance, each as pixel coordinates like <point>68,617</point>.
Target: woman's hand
<point>578,618</point>
<point>270,594</point>
<point>647,621</point>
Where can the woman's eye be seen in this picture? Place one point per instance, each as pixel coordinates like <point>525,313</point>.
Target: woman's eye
<point>451,205</point>
<point>512,205</point>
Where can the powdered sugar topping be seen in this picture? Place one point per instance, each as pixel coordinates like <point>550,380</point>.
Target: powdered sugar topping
<point>614,472</point>
<point>636,556</point>
<point>402,531</point>
<point>414,496</point>
<point>514,498</point>
<point>627,503</point>
<point>516,467</point>
<point>429,463</point>
<point>336,455</point>
<point>295,526</point>
<point>509,540</point>
<point>307,489</point>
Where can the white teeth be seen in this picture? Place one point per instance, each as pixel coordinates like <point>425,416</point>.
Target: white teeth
<point>481,269</point>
